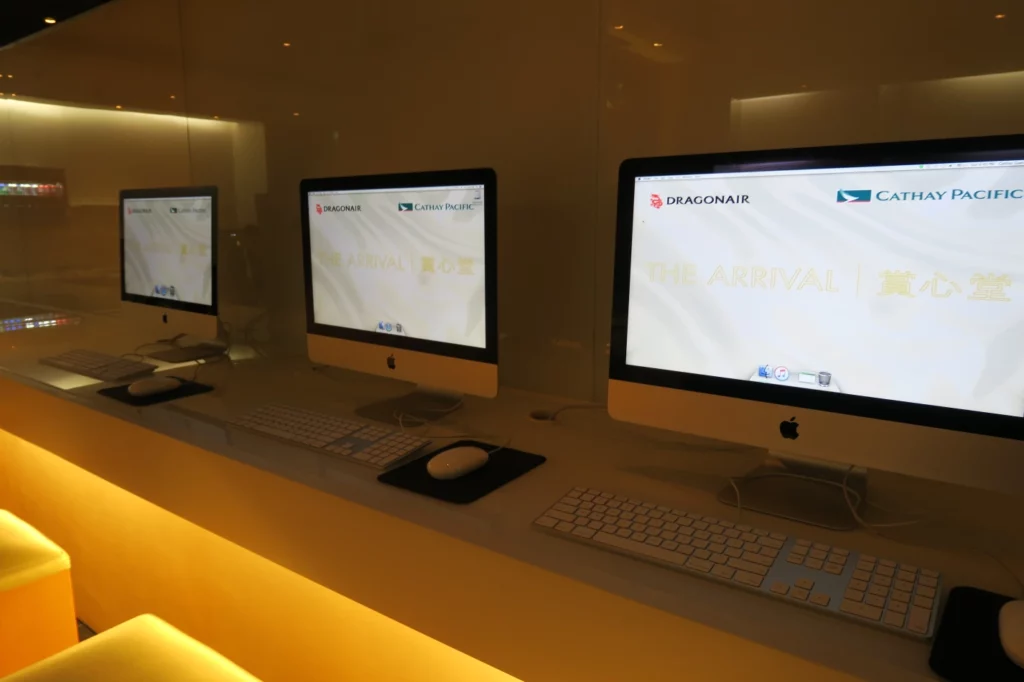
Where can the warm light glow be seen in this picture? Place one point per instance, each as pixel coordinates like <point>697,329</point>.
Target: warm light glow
<point>93,520</point>
<point>50,20</point>
<point>1000,16</point>
<point>286,44</point>
<point>117,106</point>
<point>619,27</point>
<point>173,97</point>
<point>295,114</point>
<point>658,44</point>
<point>216,118</point>
<point>10,75</point>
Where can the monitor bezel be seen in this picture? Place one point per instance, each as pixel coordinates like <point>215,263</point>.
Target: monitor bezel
<point>398,181</point>
<point>966,150</point>
<point>171,193</point>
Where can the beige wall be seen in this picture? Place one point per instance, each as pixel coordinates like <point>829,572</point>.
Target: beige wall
<point>551,94</point>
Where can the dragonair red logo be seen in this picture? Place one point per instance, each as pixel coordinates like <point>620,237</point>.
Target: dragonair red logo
<point>656,201</point>
<point>319,209</point>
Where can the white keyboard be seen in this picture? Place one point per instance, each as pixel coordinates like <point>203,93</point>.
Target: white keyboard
<point>884,593</point>
<point>99,365</point>
<point>375,446</point>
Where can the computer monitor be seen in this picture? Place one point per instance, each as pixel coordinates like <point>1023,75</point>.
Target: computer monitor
<point>401,281</point>
<point>856,305</point>
<point>169,263</point>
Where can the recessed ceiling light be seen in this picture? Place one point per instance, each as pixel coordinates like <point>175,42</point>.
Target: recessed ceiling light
<point>50,20</point>
<point>10,75</point>
<point>217,117</point>
<point>619,27</point>
<point>286,44</point>
<point>659,44</point>
<point>173,97</point>
<point>117,106</point>
<point>295,114</point>
<point>1000,16</point>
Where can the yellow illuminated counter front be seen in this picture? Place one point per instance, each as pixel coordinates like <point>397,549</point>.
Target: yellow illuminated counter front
<point>293,583</point>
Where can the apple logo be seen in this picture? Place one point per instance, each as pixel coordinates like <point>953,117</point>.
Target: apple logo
<point>789,429</point>
<point>391,362</point>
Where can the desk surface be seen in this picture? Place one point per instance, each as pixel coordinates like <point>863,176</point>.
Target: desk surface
<point>566,606</point>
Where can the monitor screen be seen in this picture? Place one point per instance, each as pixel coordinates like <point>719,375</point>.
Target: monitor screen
<point>168,249</point>
<point>901,282</point>
<point>406,261</point>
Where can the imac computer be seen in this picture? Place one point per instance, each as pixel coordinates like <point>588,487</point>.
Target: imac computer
<point>401,281</point>
<point>846,308</point>
<point>169,269</point>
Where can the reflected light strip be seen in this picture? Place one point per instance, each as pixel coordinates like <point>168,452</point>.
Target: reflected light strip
<point>991,79</point>
<point>122,117</point>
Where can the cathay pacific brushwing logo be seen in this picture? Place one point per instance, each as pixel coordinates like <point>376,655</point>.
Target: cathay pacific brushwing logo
<point>853,196</point>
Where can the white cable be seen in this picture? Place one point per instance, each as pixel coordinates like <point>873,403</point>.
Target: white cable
<point>546,416</point>
<point>853,508</point>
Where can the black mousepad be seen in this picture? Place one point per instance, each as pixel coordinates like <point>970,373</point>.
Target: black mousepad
<point>186,390</point>
<point>503,466</point>
<point>967,640</point>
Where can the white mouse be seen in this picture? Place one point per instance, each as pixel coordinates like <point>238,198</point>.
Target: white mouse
<point>457,462</point>
<point>1011,630</point>
<point>153,386</point>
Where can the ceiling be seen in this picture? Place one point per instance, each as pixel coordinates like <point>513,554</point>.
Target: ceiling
<point>23,18</point>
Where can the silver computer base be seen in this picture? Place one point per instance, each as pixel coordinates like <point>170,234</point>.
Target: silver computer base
<point>800,490</point>
<point>412,409</point>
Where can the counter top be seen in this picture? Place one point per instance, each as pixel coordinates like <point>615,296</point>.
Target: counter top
<point>481,578</point>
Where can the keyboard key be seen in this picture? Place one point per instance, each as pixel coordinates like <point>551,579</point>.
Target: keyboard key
<point>583,532</point>
<point>805,583</point>
<point>564,526</point>
<point>858,585</point>
<point>918,620</point>
<point>924,602</point>
<point>926,592</point>
<point>742,565</point>
<point>882,581</point>
<point>546,522</point>
<point>745,578</point>
<point>799,593</point>
<point>758,559</point>
<point>834,569</point>
<point>854,595</point>
<point>820,599</point>
<point>723,572</point>
<point>799,549</point>
<point>905,586</point>
<point>701,565</point>
<point>901,596</point>
<point>780,588</point>
<point>906,575</point>
<point>927,581</point>
<point>814,564</point>
<point>818,554</point>
<point>873,600</point>
<point>862,610</point>
<point>894,619</point>
<point>886,571</point>
<point>897,607</point>
<point>878,590</point>
<point>795,559</point>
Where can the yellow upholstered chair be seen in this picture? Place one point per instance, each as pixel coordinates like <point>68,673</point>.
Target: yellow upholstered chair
<point>143,649</point>
<point>37,610</point>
